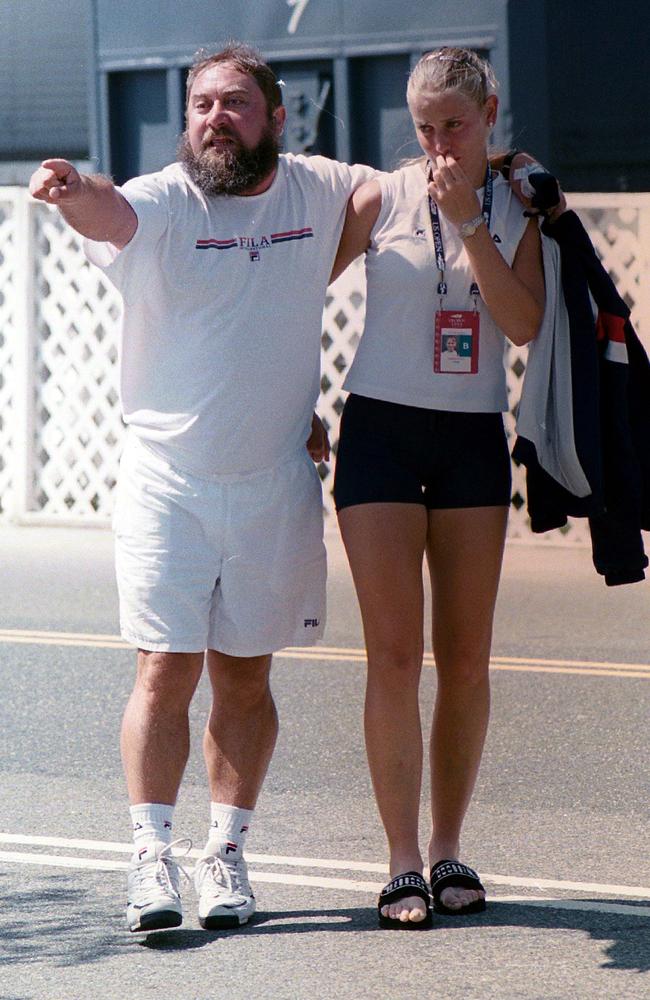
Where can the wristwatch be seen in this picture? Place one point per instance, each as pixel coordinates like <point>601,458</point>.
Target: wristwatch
<point>469,228</point>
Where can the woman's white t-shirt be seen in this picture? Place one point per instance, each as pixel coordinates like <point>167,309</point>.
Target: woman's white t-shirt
<point>394,360</point>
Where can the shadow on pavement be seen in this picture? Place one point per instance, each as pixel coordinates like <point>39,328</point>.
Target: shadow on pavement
<point>59,925</point>
<point>64,925</point>
<point>266,922</point>
<point>629,936</point>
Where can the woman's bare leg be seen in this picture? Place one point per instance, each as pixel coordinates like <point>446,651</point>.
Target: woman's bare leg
<point>385,544</point>
<point>464,550</point>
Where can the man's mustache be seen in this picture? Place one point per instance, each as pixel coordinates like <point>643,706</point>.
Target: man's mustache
<point>220,133</point>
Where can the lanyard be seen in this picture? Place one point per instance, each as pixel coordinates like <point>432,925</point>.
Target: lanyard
<point>438,244</point>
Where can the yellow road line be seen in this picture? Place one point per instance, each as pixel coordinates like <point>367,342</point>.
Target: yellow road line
<point>38,634</point>
<point>39,638</point>
<point>346,654</point>
<point>506,660</point>
<point>635,670</point>
<point>521,666</point>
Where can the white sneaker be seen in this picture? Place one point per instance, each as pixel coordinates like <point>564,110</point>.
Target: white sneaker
<point>225,895</point>
<point>154,899</point>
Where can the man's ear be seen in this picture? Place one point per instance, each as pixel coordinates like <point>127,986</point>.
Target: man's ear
<point>279,119</point>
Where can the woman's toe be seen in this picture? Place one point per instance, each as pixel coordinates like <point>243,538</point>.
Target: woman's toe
<point>456,899</point>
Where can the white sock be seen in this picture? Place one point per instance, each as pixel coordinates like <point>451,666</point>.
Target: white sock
<point>228,829</point>
<point>151,821</point>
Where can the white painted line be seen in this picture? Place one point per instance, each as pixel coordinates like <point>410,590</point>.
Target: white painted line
<point>110,846</point>
<point>589,905</point>
<point>344,884</point>
<point>100,864</point>
<point>332,864</point>
<point>340,884</point>
<point>603,888</point>
<point>60,861</point>
<point>80,845</point>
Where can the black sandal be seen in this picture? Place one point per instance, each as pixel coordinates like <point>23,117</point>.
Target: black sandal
<point>459,876</point>
<point>409,884</point>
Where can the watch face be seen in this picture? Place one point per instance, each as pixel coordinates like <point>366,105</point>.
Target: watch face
<point>469,228</point>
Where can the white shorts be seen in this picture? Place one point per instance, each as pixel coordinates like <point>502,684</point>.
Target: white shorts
<point>236,564</point>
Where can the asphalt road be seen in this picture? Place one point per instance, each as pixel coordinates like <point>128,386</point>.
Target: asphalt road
<point>558,826</point>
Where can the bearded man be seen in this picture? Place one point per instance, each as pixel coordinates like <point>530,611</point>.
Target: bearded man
<point>222,260</point>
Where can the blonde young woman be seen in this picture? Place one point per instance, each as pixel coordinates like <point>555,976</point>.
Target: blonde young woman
<point>423,467</point>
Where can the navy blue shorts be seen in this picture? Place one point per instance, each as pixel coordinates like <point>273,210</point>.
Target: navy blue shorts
<point>390,453</point>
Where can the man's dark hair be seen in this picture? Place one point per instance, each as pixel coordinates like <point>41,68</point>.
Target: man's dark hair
<point>244,58</point>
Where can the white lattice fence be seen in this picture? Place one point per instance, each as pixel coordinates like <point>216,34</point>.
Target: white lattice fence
<point>60,428</point>
<point>8,338</point>
<point>77,426</point>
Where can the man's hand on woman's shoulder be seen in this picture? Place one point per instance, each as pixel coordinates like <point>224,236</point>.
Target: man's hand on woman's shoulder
<point>535,187</point>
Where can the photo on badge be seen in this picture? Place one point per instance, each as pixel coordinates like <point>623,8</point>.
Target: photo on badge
<point>456,343</point>
<point>456,354</point>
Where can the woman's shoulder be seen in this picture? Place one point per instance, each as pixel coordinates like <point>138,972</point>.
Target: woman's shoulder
<point>411,171</point>
<point>509,222</point>
<point>505,196</point>
<point>407,181</point>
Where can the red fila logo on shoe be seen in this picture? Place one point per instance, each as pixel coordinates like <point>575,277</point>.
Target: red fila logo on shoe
<point>230,847</point>
<point>142,852</point>
<point>243,829</point>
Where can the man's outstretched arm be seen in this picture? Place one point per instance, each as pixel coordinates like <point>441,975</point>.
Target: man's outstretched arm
<point>90,204</point>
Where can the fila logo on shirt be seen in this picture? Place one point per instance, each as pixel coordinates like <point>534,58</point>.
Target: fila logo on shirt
<point>253,245</point>
<point>312,622</point>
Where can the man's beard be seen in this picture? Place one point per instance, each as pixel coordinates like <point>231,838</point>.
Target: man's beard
<point>233,169</point>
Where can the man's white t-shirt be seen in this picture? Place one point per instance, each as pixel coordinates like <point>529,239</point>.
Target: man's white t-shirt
<point>223,300</point>
<point>394,359</point>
